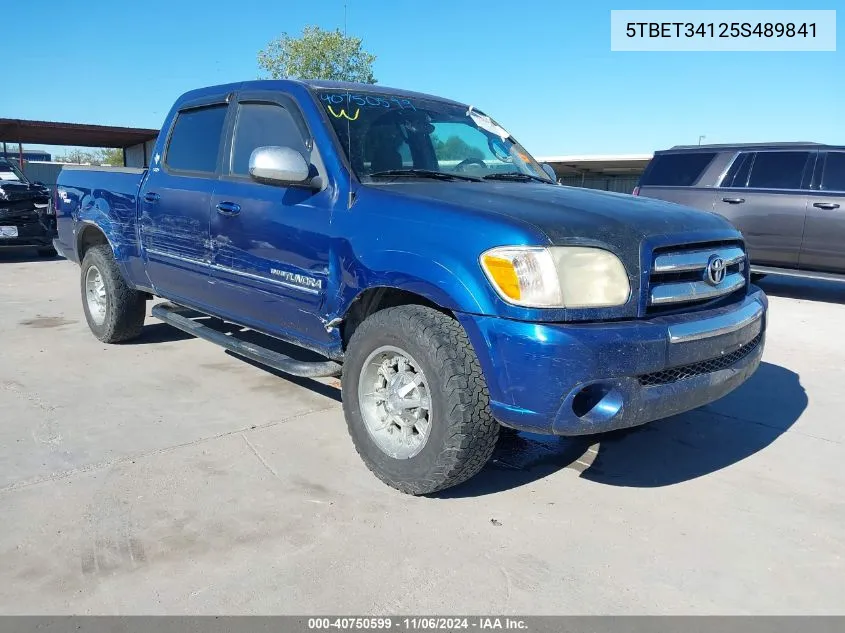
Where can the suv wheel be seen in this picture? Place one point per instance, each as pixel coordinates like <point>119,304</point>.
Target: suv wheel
<point>415,401</point>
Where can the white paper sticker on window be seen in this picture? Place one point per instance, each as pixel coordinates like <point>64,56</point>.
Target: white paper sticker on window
<point>486,123</point>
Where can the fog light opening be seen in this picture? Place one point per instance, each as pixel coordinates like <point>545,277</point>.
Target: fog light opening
<point>599,401</point>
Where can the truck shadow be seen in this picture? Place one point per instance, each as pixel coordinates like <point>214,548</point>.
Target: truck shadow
<point>661,453</point>
<point>807,289</point>
<point>23,254</point>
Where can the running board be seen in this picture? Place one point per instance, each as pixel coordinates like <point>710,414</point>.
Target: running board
<point>175,315</point>
<point>800,274</point>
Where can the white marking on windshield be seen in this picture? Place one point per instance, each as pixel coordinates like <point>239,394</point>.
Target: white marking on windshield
<point>486,123</point>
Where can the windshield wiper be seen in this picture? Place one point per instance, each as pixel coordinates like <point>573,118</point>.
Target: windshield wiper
<point>423,173</point>
<point>514,175</point>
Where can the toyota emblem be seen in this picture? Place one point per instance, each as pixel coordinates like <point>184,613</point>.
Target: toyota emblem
<point>715,270</point>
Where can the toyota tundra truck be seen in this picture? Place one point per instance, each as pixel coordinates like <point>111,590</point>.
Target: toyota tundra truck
<point>416,249</point>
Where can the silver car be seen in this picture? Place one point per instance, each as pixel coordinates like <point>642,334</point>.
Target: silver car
<point>788,199</point>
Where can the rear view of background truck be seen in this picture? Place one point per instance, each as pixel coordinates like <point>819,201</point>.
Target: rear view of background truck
<point>454,295</point>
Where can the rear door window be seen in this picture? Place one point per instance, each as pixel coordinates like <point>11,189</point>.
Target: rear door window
<point>833,176</point>
<point>778,170</point>
<point>195,140</point>
<point>676,170</point>
<point>259,125</point>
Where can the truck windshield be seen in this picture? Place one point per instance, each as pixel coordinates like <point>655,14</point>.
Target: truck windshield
<point>382,133</point>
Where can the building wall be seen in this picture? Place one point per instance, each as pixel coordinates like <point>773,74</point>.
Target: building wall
<point>12,153</point>
<point>619,184</point>
<point>46,173</point>
<point>139,155</point>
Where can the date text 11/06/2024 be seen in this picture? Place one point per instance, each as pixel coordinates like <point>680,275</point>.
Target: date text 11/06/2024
<point>416,623</point>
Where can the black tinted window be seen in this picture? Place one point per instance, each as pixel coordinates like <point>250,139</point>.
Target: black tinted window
<point>833,178</point>
<point>196,139</point>
<point>737,175</point>
<point>676,170</point>
<point>778,170</point>
<point>261,124</point>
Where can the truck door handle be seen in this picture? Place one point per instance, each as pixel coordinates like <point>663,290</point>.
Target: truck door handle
<point>733,200</point>
<point>151,197</point>
<point>826,205</point>
<point>228,208</point>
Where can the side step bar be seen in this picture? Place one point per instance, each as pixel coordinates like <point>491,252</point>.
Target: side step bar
<point>175,315</point>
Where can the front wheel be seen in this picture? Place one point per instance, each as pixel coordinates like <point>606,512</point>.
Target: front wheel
<point>415,400</point>
<point>114,311</point>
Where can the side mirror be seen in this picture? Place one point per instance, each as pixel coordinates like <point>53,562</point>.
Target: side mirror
<point>550,171</point>
<point>280,165</point>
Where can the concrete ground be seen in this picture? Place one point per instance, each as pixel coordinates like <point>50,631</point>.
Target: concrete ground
<point>166,476</point>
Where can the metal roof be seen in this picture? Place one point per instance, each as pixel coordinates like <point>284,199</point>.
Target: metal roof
<point>76,134</point>
<point>750,146</point>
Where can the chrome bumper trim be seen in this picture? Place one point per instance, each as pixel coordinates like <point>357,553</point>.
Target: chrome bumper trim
<point>715,326</point>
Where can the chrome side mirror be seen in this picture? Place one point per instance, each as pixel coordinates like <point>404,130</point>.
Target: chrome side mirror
<point>280,165</point>
<point>550,171</point>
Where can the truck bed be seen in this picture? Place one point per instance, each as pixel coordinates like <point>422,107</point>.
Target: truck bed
<point>106,196</point>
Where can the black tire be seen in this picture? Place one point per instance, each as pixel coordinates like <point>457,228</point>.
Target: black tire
<point>463,432</point>
<point>125,308</point>
<point>47,251</point>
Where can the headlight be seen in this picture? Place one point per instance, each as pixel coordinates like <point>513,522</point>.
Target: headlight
<point>557,276</point>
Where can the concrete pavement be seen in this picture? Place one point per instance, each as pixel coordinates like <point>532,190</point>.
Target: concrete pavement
<point>166,476</point>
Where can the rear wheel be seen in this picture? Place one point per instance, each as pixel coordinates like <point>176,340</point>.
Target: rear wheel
<point>114,311</point>
<point>415,401</point>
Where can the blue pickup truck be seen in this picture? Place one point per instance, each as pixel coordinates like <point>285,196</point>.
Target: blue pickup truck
<point>411,244</point>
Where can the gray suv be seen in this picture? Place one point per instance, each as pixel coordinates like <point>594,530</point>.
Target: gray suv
<point>788,199</point>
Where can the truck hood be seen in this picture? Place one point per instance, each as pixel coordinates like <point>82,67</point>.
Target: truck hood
<point>569,214</point>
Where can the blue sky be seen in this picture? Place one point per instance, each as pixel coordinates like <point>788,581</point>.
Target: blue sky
<point>543,69</point>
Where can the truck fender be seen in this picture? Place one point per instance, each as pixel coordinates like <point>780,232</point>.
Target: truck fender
<point>446,283</point>
<point>95,214</point>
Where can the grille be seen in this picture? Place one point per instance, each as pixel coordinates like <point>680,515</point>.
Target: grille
<point>667,376</point>
<point>679,277</point>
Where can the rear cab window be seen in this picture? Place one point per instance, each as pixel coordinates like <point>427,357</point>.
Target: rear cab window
<point>676,169</point>
<point>195,140</point>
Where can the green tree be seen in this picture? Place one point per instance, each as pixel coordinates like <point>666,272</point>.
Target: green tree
<point>78,157</point>
<point>104,156</point>
<point>455,148</point>
<point>110,156</point>
<point>318,54</point>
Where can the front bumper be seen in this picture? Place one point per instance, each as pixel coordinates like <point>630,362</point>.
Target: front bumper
<point>575,379</point>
